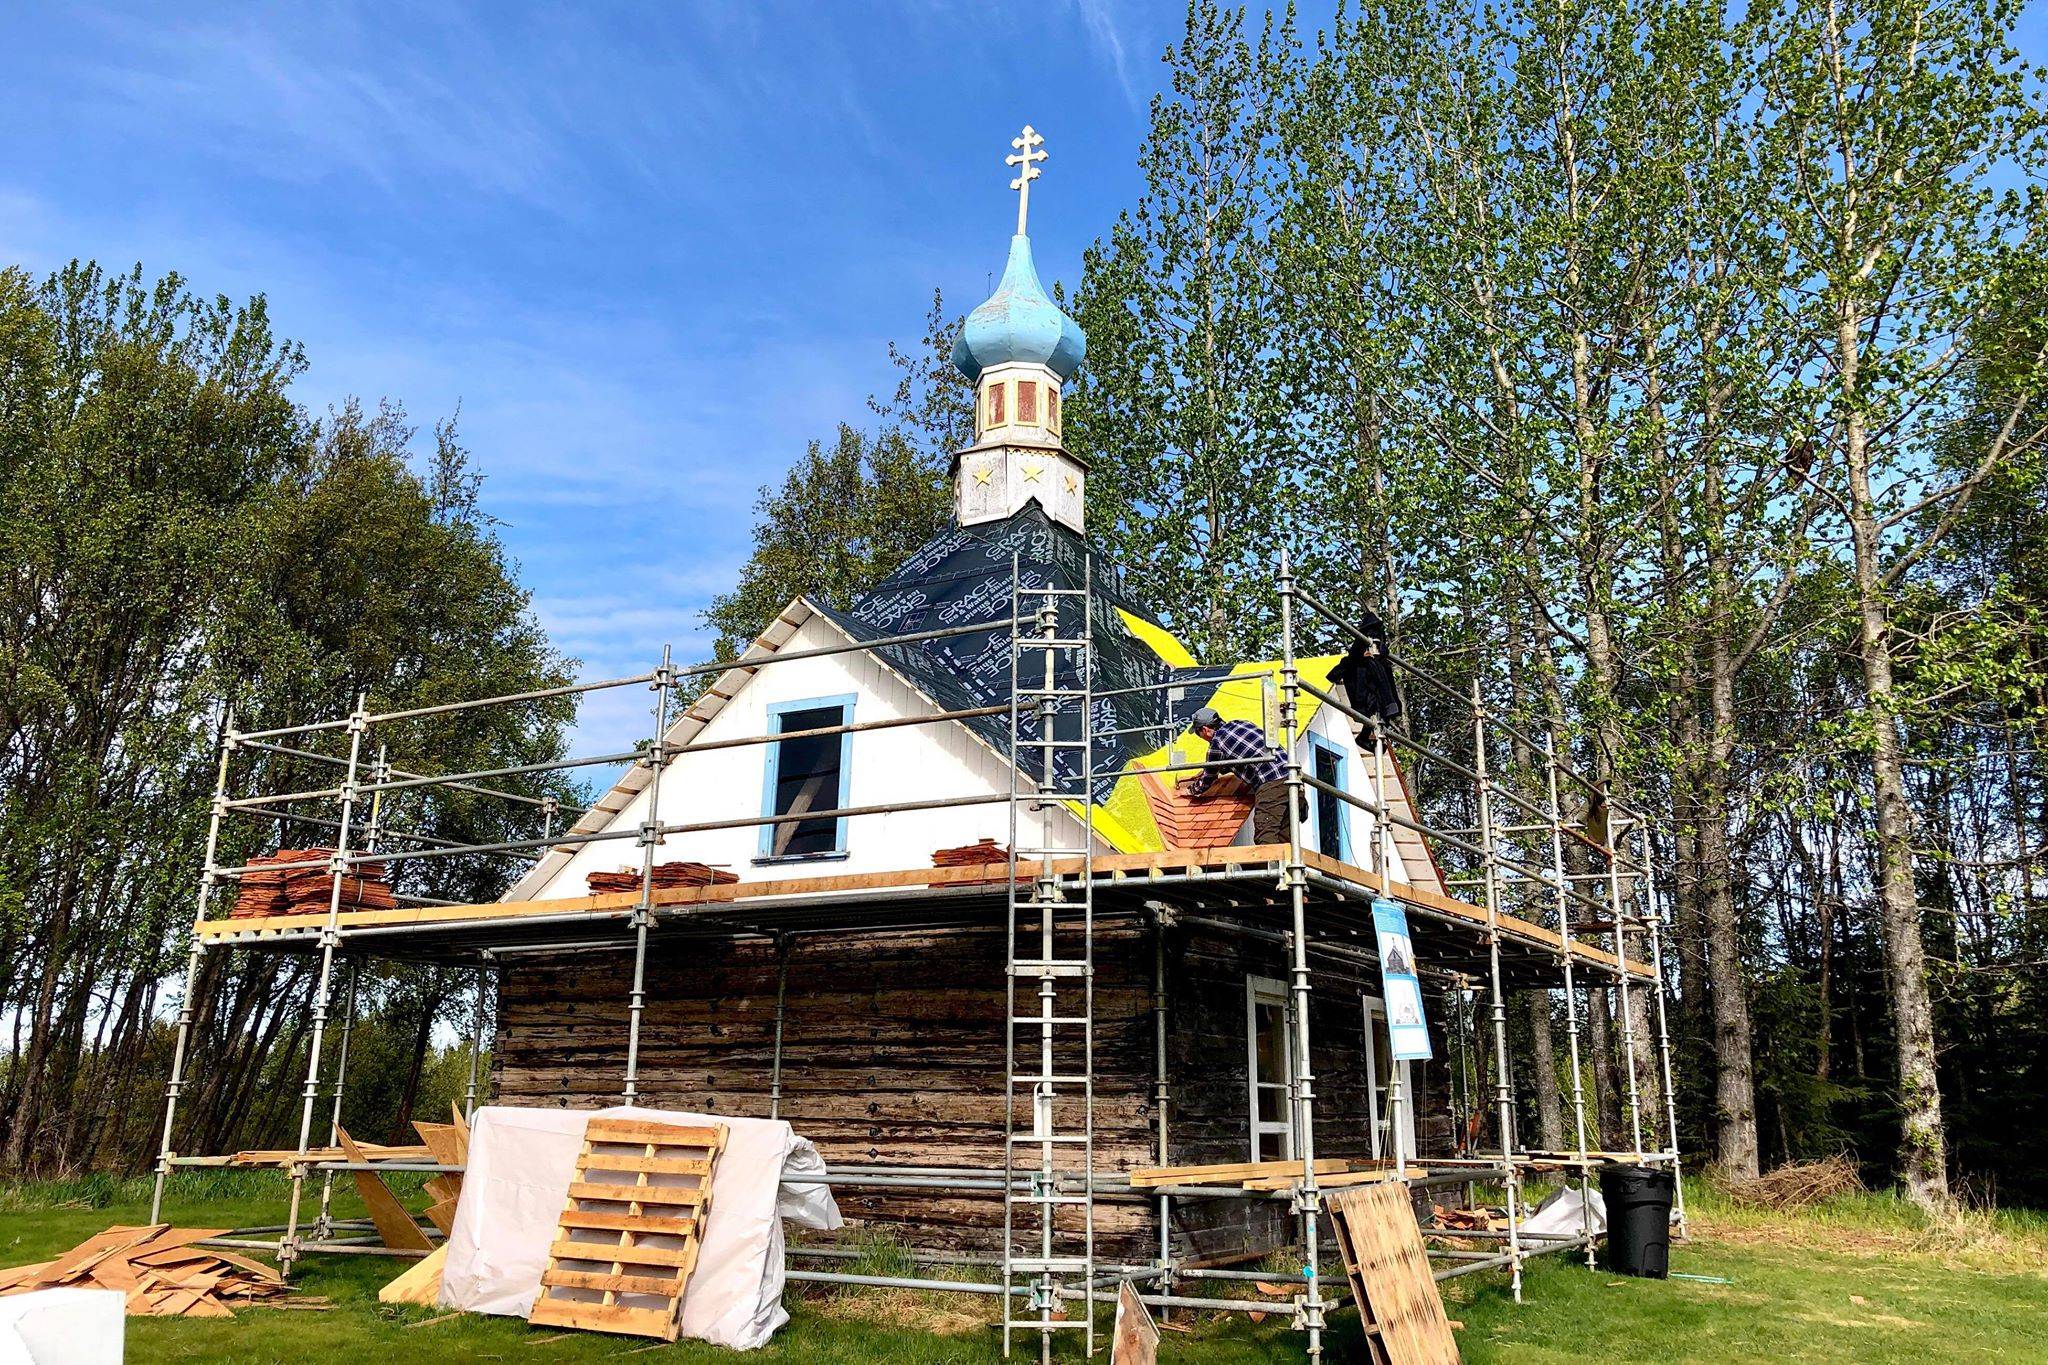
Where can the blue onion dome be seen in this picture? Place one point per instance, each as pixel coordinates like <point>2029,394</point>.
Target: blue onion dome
<point>1019,323</point>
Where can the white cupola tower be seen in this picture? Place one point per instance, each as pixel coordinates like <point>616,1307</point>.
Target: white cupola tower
<point>1019,348</point>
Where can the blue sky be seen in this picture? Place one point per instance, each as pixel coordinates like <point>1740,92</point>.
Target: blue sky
<point>650,249</point>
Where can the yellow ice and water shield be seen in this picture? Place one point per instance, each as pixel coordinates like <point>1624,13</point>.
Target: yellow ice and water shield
<point>1251,692</point>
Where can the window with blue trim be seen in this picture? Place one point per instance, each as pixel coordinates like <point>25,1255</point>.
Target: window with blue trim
<point>1331,817</point>
<point>807,772</point>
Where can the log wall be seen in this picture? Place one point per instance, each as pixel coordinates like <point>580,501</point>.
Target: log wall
<point>893,1054</point>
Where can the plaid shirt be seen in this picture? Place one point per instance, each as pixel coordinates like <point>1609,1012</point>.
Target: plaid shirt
<point>1258,762</point>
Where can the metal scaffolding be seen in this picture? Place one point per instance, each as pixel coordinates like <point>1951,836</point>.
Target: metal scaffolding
<point>1564,886</point>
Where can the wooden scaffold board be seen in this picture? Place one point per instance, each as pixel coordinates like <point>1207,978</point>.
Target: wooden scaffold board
<point>1388,1267</point>
<point>629,1237</point>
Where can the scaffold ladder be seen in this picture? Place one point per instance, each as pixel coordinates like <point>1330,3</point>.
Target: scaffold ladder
<point>1049,1052</point>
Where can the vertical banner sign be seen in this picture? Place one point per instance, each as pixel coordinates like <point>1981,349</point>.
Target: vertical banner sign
<point>1406,1027</point>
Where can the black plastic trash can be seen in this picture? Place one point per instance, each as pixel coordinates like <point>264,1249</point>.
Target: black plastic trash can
<point>1638,1202</point>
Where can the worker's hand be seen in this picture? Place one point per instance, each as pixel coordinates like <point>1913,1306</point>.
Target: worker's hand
<point>1186,786</point>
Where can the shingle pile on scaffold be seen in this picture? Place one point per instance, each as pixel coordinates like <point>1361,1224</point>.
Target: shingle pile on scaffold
<point>983,853</point>
<point>666,875</point>
<point>300,881</point>
<point>971,855</point>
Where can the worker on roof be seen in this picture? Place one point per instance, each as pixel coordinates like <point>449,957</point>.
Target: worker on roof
<point>1241,748</point>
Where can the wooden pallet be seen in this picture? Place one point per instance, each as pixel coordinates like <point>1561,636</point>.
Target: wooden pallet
<point>629,1237</point>
<point>1390,1277</point>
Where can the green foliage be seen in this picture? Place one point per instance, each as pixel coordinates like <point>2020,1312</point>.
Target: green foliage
<point>183,543</point>
<point>1185,404</point>
<point>844,516</point>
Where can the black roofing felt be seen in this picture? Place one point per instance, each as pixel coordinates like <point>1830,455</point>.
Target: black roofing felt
<point>963,576</point>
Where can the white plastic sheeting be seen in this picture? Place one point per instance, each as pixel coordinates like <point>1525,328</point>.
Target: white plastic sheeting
<point>521,1162</point>
<point>63,1327</point>
<point>1561,1213</point>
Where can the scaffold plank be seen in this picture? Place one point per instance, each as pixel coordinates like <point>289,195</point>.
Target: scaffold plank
<point>1237,858</point>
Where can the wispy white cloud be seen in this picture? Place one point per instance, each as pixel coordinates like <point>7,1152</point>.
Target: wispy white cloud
<point>313,92</point>
<point>1099,22</point>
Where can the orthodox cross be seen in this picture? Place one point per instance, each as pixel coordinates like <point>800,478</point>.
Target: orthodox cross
<point>1026,159</point>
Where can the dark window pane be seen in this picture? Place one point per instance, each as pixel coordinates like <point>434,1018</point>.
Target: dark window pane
<point>806,779</point>
<point>1329,808</point>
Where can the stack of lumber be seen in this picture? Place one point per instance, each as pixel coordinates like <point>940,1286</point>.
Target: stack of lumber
<point>297,881</point>
<point>665,875</point>
<point>1331,1172</point>
<point>285,1156</point>
<point>163,1274</point>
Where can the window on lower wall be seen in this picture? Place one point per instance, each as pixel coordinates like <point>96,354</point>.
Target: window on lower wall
<point>1270,1042</point>
<point>807,772</point>
<point>1380,1063</point>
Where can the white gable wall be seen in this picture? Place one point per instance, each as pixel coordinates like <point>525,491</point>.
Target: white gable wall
<point>1408,860</point>
<point>885,767</point>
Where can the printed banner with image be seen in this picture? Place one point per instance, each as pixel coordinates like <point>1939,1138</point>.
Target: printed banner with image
<point>1407,1028</point>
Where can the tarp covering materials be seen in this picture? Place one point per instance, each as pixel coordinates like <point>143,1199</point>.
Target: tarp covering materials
<point>521,1162</point>
<point>1563,1214</point>
<point>63,1326</point>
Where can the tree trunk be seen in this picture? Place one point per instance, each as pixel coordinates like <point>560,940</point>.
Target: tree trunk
<point>1543,1063</point>
<point>1923,1155</point>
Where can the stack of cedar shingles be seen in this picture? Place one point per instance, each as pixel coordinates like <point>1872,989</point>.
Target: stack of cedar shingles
<point>1210,820</point>
<point>665,875</point>
<point>300,881</point>
<point>261,890</point>
<point>984,853</point>
<point>160,1270</point>
<point>971,855</point>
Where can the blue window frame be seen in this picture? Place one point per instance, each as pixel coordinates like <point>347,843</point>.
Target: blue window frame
<point>1329,816</point>
<point>805,774</point>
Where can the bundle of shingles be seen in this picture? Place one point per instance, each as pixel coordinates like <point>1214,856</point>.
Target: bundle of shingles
<point>981,853</point>
<point>301,880</point>
<point>665,875</point>
<point>162,1272</point>
<point>1469,1220</point>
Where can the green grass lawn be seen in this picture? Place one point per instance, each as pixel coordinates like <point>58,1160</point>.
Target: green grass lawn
<point>1859,1280</point>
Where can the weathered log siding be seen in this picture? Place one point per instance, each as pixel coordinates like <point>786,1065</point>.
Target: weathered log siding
<point>1208,1060</point>
<point>893,1054</point>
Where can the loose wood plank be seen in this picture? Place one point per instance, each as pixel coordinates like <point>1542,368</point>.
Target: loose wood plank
<point>393,1223</point>
<point>420,1284</point>
<point>1225,1173</point>
<point>1388,1267</point>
